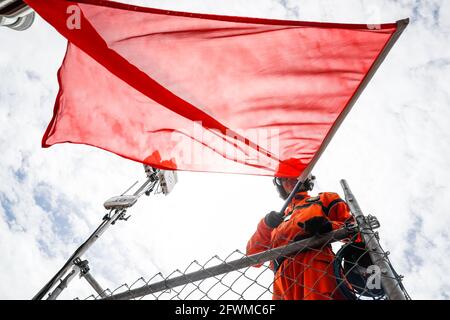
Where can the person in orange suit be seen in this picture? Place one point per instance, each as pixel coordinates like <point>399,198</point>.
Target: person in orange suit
<point>307,275</point>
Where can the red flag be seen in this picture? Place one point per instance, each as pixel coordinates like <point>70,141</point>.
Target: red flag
<point>204,92</point>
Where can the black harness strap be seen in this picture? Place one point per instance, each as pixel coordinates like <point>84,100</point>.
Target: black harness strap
<point>288,216</point>
<point>331,205</point>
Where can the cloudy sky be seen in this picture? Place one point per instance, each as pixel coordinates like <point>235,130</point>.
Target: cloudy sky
<point>392,149</point>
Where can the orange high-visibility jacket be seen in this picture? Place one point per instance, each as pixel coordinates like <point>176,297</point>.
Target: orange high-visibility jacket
<point>308,275</point>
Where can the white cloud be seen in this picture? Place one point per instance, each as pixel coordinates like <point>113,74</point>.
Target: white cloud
<point>392,148</point>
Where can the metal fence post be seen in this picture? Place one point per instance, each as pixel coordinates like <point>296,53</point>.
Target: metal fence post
<point>390,281</point>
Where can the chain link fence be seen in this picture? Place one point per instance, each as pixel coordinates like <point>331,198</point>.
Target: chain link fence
<point>345,264</point>
<point>308,269</point>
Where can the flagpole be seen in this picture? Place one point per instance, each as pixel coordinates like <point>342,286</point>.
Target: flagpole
<point>401,26</point>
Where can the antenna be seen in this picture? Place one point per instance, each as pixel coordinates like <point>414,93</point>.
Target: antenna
<point>117,207</point>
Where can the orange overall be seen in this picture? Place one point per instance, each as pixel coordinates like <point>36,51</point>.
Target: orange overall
<point>309,274</point>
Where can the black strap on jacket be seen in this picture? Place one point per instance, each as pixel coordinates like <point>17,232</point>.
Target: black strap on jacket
<point>331,205</point>
<point>326,210</point>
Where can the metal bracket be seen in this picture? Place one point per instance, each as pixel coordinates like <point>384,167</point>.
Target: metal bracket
<point>83,265</point>
<point>372,221</point>
<point>352,228</point>
<point>369,222</point>
<point>121,216</point>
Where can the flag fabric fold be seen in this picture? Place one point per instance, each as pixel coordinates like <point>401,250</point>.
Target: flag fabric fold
<point>200,92</point>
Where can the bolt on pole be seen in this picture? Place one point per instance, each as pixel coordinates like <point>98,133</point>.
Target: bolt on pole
<point>389,280</point>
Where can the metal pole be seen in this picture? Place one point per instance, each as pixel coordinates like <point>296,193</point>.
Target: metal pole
<point>84,272</point>
<point>248,261</point>
<point>64,283</point>
<point>104,225</point>
<point>94,284</point>
<point>389,281</point>
<point>401,26</point>
<point>79,252</point>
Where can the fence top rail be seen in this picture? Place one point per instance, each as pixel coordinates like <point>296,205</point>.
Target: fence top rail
<point>295,247</point>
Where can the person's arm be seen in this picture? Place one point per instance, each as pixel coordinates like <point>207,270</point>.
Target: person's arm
<point>261,239</point>
<point>339,213</point>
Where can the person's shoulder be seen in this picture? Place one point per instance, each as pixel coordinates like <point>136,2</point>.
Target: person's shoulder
<point>329,196</point>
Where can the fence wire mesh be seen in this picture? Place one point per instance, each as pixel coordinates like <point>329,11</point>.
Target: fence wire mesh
<point>336,265</point>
